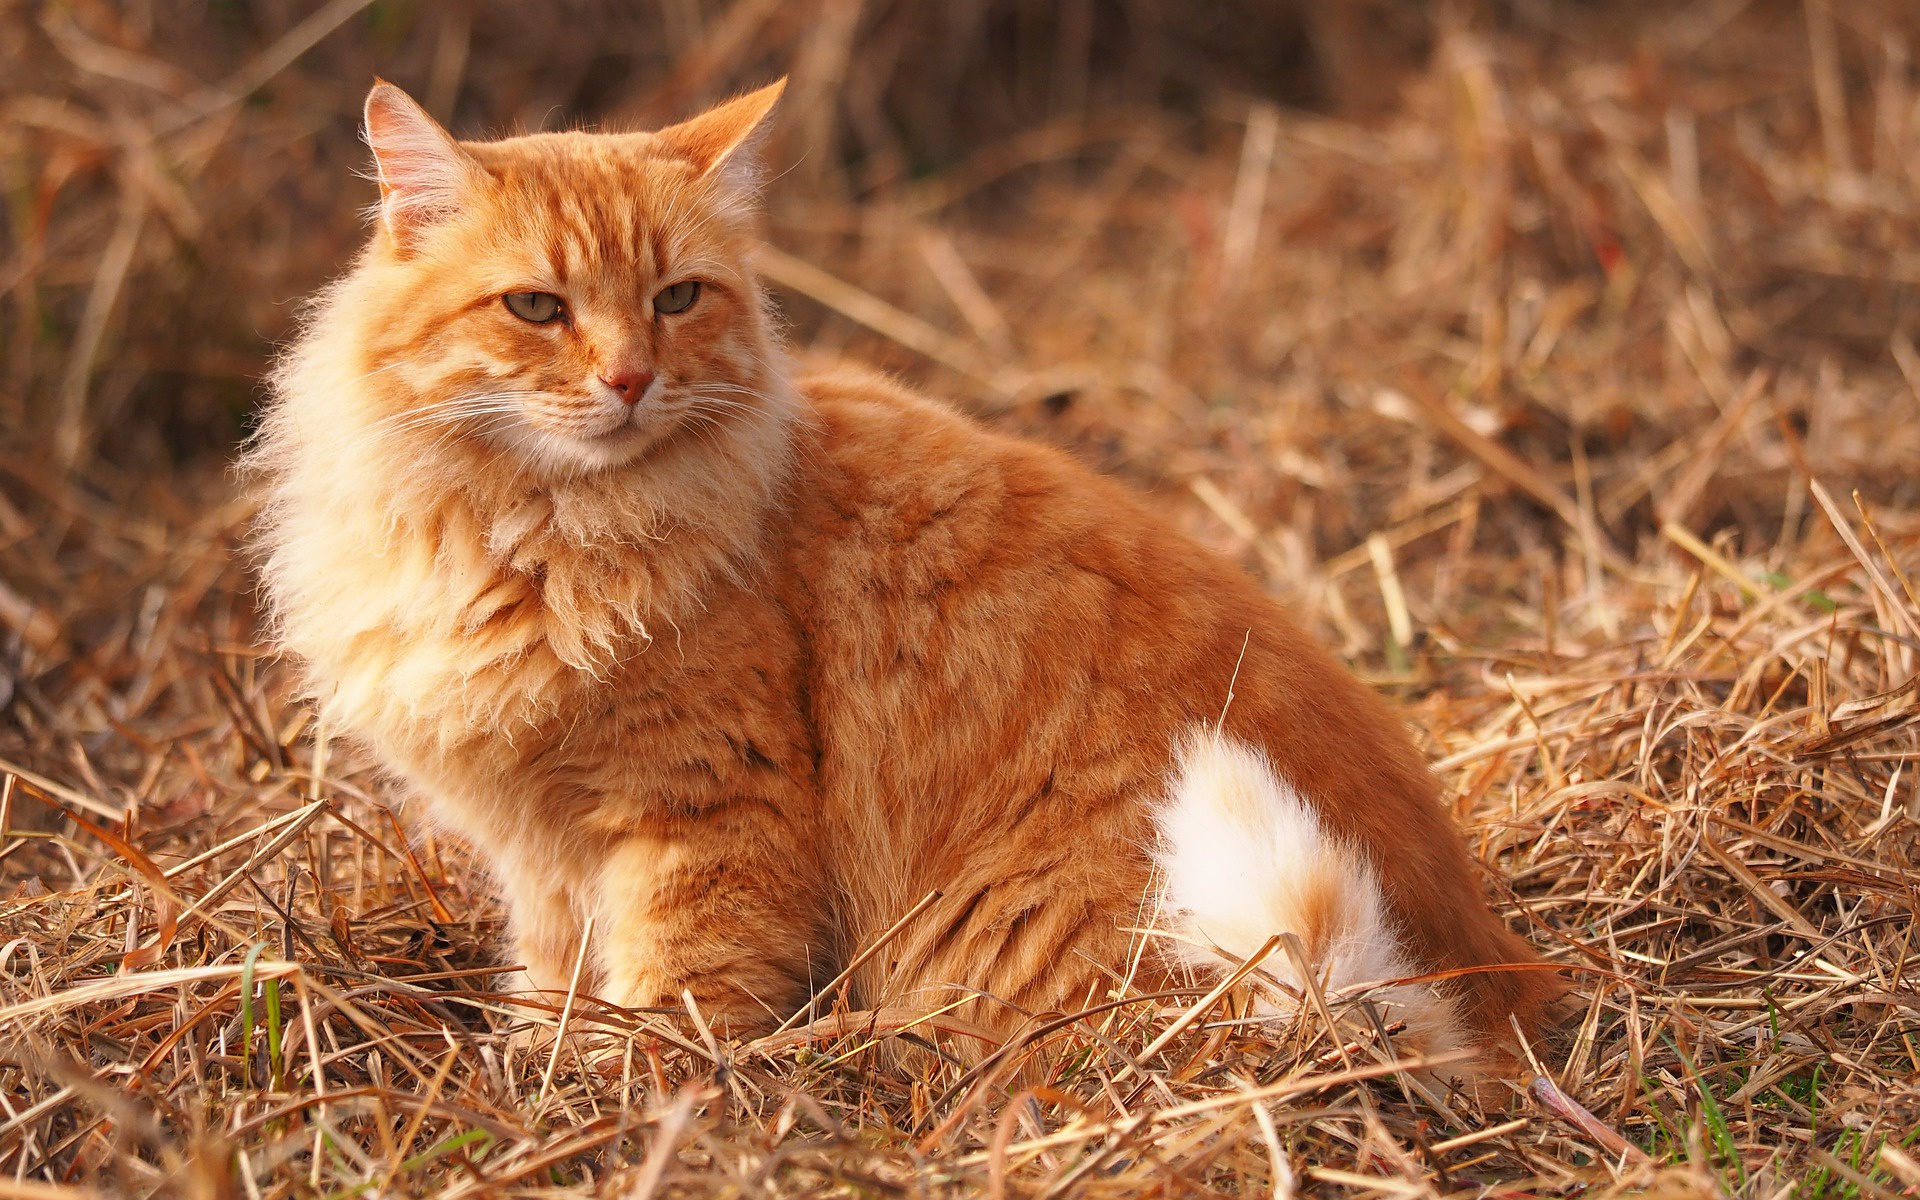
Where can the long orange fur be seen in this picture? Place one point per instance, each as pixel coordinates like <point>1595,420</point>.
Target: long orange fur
<point>746,668</point>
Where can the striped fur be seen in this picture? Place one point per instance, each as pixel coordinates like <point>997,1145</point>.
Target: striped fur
<point>747,668</point>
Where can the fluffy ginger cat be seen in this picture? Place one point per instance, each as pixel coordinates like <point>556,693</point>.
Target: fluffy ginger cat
<point>723,670</point>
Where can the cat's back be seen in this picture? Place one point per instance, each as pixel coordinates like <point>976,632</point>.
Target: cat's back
<point>893,472</point>
<point>964,545</point>
<point>902,464</point>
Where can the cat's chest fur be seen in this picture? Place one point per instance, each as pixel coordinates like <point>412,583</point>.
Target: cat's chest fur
<point>526,679</point>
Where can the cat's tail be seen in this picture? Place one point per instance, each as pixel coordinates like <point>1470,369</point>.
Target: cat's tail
<point>1243,857</point>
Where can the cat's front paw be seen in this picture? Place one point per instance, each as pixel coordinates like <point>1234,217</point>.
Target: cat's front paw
<point>533,998</point>
<point>592,1042</point>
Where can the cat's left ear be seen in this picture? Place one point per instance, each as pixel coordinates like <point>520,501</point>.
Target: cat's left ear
<point>721,141</point>
<point>424,173</point>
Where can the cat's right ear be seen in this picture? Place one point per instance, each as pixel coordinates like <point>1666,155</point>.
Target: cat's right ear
<point>720,142</point>
<point>423,171</point>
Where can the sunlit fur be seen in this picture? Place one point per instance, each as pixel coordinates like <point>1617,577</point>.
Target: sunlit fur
<point>746,671</point>
<point>1243,856</point>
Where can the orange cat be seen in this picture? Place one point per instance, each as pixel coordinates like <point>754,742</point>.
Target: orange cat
<point>733,668</point>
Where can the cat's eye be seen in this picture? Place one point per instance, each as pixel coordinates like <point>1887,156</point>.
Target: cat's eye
<point>677,298</point>
<point>538,307</point>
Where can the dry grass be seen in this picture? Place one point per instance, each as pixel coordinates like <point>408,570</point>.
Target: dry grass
<point>1576,400</point>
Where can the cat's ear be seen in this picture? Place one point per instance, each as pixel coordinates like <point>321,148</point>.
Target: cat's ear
<point>423,171</point>
<point>721,141</point>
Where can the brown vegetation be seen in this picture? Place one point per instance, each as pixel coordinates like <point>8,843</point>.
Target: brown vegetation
<point>1575,397</point>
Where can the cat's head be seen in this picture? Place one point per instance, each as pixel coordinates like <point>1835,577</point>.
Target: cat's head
<point>577,301</point>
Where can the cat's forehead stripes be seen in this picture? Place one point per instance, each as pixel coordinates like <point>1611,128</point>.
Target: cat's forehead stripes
<point>594,205</point>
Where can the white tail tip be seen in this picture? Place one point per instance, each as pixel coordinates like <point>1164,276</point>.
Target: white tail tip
<point>1244,857</point>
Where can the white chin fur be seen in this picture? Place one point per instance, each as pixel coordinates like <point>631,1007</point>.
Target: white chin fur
<point>1243,857</point>
<point>565,453</point>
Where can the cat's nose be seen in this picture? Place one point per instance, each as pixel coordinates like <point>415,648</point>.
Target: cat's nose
<point>631,384</point>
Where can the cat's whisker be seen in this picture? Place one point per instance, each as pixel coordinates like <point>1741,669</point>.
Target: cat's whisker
<point>461,398</point>
<point>704,421</point>
<point>726,392</point>
<point>414,422</point>
<point>438,420</point>
<point>716,385</point>
<point>454,411</point>
<point>471,401</point>
<point>492,425</point>
<point>447,430</point>
<point>721,404</point>
<point>442,404</point>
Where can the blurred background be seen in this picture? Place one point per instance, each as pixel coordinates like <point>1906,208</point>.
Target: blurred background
<point>1435,315</point>
<point>1260,205</point>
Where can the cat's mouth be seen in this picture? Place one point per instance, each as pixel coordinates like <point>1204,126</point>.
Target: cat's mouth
<point>624,433</point>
